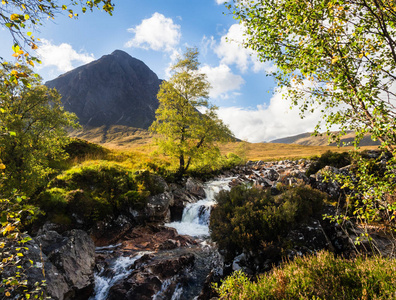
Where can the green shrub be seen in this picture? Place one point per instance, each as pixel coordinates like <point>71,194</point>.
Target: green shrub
<point>318,277</point>
<point>329,158</point>
<point>96,189</point>
<point>249,218</point>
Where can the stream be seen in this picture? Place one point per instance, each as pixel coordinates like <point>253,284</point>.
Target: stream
<point>186,286</point>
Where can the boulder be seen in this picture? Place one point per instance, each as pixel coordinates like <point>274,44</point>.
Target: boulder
<point>152,276</point>
<point>195,188</point>
<point>157,208</point>
<point>64,261</point>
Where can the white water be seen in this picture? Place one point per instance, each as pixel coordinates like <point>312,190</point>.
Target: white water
<point>120,268</point>
<point>195,219</point>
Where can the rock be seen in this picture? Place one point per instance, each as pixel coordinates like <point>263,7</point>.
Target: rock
<point>195,187</point>
<point>76,259</point>
<point>271,174</point>
<point>329,186</point>
<point>64,261</point>
<point>153,238</point>
<point>157,208</point>
<point>153,276</point>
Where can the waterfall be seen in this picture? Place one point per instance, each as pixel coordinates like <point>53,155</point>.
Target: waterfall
<point>119,269</point>
<point>195,219</point>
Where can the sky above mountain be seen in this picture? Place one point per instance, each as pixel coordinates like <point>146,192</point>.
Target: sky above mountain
<point>156,32</point>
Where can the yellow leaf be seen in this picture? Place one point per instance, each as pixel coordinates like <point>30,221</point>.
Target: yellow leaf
<point>34,46</point>
<point>8,294</point>
<point>14,17</point>
<point>3,2</point>
<point>334,60</point>
<point>360,55</point>
<point>70,15</point>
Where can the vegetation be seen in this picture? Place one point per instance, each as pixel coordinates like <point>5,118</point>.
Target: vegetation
<point>21,18</point>
<point>93,190</point>
<point>36,118</point>
<point>318,277</point>
<point>332,55</point>
<point>185,133</point>
<point>247,219</point>
<point>329,158</point>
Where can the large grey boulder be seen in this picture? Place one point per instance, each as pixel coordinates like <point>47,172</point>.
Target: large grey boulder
<point>68,261</point>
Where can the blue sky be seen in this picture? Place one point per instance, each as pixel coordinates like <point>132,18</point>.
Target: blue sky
<point>156,31</point>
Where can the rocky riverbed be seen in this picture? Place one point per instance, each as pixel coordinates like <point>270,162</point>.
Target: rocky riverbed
<point>137,257</point>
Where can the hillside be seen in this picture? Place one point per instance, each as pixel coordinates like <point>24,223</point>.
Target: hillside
<point>116,89</point>
<point>307,139</point>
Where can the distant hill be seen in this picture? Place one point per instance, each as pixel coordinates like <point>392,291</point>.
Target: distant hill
<point>116,89</point>
<point>306,139</point>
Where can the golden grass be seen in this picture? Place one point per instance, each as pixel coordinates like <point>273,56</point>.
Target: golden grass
<point>272,151</point>
<point>124,140</point>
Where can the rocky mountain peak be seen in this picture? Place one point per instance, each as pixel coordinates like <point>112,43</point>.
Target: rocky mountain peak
<point>116,89</point>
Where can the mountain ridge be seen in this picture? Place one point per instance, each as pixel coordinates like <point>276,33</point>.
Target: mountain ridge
<point>116,89</point>
<point>307,139</point>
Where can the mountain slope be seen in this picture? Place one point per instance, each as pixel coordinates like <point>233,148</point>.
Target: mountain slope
<point>116,89</point>
<point>307,139</point>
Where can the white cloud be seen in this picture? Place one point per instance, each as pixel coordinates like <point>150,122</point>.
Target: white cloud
<point>62,56</point>
<point>265,123</point>
<point>231,51</point>
<point>222,80</point>
<point>221,1</point>
<point>157,33</point>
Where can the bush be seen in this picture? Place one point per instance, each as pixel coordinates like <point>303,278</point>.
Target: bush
<point>248,218</point>
<point>93,190</point>
<point>329,158</point>
<point>318,277</point>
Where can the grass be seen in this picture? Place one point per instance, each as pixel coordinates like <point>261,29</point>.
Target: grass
<point>318,277</point>
<point>272,151</point>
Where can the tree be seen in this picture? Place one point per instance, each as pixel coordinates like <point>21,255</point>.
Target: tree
<point>22,17</point>
<point>36,124</point>
<point>184,132</point>
<point>339,55</point>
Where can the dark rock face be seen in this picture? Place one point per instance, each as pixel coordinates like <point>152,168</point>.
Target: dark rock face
<point>116,89</point>
<point>67,261</point>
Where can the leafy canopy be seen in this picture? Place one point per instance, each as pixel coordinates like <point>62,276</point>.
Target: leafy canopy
<point>37,122</point>
<point>184,132</point>
<point>335,55</point>
<point>22,17</point>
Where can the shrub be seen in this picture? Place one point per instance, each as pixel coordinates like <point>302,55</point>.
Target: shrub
<point>329,158</point>
<point>317,277</point>
<point>93,190</point>
<point>248,218</point>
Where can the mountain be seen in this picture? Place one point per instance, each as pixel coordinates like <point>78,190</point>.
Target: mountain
<point>116,89</point>
<point>307,139</point>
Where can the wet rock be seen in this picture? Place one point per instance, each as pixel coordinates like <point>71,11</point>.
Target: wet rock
<point>138,286</point>
<point>195,188</point>
<point>153,276</point>
<point>153,238</point>
<point>157,208</point>
<point>108,232</point>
